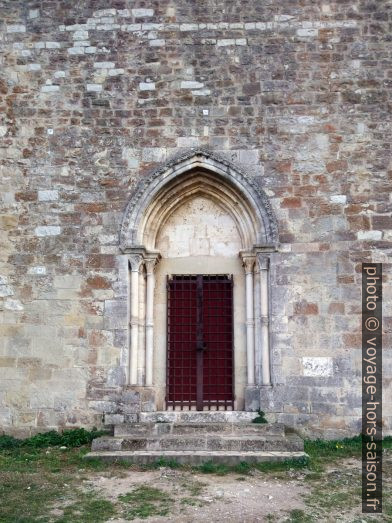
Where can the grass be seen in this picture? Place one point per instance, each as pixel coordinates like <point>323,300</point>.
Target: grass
<point>146,501</point>
<point>68,438</point>
<point>45,483</point>
<point>299,516</point>
<point>33,480</point>
<point>338,490</point>
<point>88,508</point>
<point>194,488</point>
<point>43,473</point>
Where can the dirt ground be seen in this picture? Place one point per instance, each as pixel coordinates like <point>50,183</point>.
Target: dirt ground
<point>229,498</point>
<point>290,496</point>
<point>57,485</point>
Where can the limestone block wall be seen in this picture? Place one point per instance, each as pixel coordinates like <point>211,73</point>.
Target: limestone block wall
<point>95,94</point>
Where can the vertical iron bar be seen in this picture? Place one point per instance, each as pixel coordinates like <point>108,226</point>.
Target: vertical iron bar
<point>167,342</point>
<point>199,343</point>
<point>232,341</point>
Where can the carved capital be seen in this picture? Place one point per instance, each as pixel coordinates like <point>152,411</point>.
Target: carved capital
<point>135,262</point>
<point>263,261</point>
<point>248,261</point>
<point>150,262</point>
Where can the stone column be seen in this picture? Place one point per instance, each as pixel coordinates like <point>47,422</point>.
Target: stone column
<point>248,263</point>
<point>258,378</point>
<point>263,265</point>
<point>150,263</point>
<point>135,261</point>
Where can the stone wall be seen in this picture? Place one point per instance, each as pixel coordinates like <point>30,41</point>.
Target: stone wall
<point>95,94</point>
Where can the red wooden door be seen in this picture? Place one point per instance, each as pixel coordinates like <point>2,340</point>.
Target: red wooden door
<point>200,342</point>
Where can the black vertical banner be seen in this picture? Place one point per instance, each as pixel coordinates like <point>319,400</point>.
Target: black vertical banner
<point>372,388</point>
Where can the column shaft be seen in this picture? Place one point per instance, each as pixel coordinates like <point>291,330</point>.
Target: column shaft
<point>264,317</point>
<point>248,262</point>
<point>250,329</point>
<point>150,264</point>
<point>135,262</point>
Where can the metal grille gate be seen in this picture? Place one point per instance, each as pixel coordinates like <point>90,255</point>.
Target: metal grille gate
<point>200,342</point>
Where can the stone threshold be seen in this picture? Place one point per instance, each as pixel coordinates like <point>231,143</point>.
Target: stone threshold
<point>195,416</point>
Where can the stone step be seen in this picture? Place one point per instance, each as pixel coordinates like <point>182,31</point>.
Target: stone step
<point>194,416</point>
<point>216,442</point>
<point>138,429</point>
<point>196,457</point>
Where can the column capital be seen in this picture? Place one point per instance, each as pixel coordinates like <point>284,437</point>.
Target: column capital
<point>248,261</point>
<point>135,260</point>
<point>263,261</point>
<point>151,261</point>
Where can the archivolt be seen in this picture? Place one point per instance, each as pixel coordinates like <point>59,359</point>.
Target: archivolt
<point>198,172</point>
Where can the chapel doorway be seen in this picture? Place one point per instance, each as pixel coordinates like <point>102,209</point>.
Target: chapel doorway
<point>200,362</point>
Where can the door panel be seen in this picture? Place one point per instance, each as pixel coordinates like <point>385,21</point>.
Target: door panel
<point>200,342</point>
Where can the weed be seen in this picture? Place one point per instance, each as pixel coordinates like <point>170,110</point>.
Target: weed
<point>260,418</point>
<point>242,468</point>
<point>211,468</point>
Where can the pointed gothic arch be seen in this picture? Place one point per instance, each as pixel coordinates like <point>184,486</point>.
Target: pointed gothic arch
<point>199,173</point>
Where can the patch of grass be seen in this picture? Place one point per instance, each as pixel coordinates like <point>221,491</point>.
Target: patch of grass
<point>242,468</point>
<point>31,460</point>
<point>145,502</point>
<point>24,498</point>
<point>334,495</point>
<point>299,516</point>
<point>344,448</point>
<point>276,466</point>
<point>245,468</point>
<point>212,468</point>
<point>69,438</point>
<point>322,452</point>
<point>387,442</point>
<point>88,508</point>
<point>33,481</point>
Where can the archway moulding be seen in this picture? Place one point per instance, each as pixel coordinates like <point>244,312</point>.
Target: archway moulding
<point>198,172</point>
<point>157,198</point>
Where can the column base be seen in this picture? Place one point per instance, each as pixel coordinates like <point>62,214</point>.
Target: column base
<point>263,397</point>
<point>252,398</point>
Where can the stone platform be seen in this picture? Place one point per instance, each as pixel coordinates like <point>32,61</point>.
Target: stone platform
<point>196,437</point>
